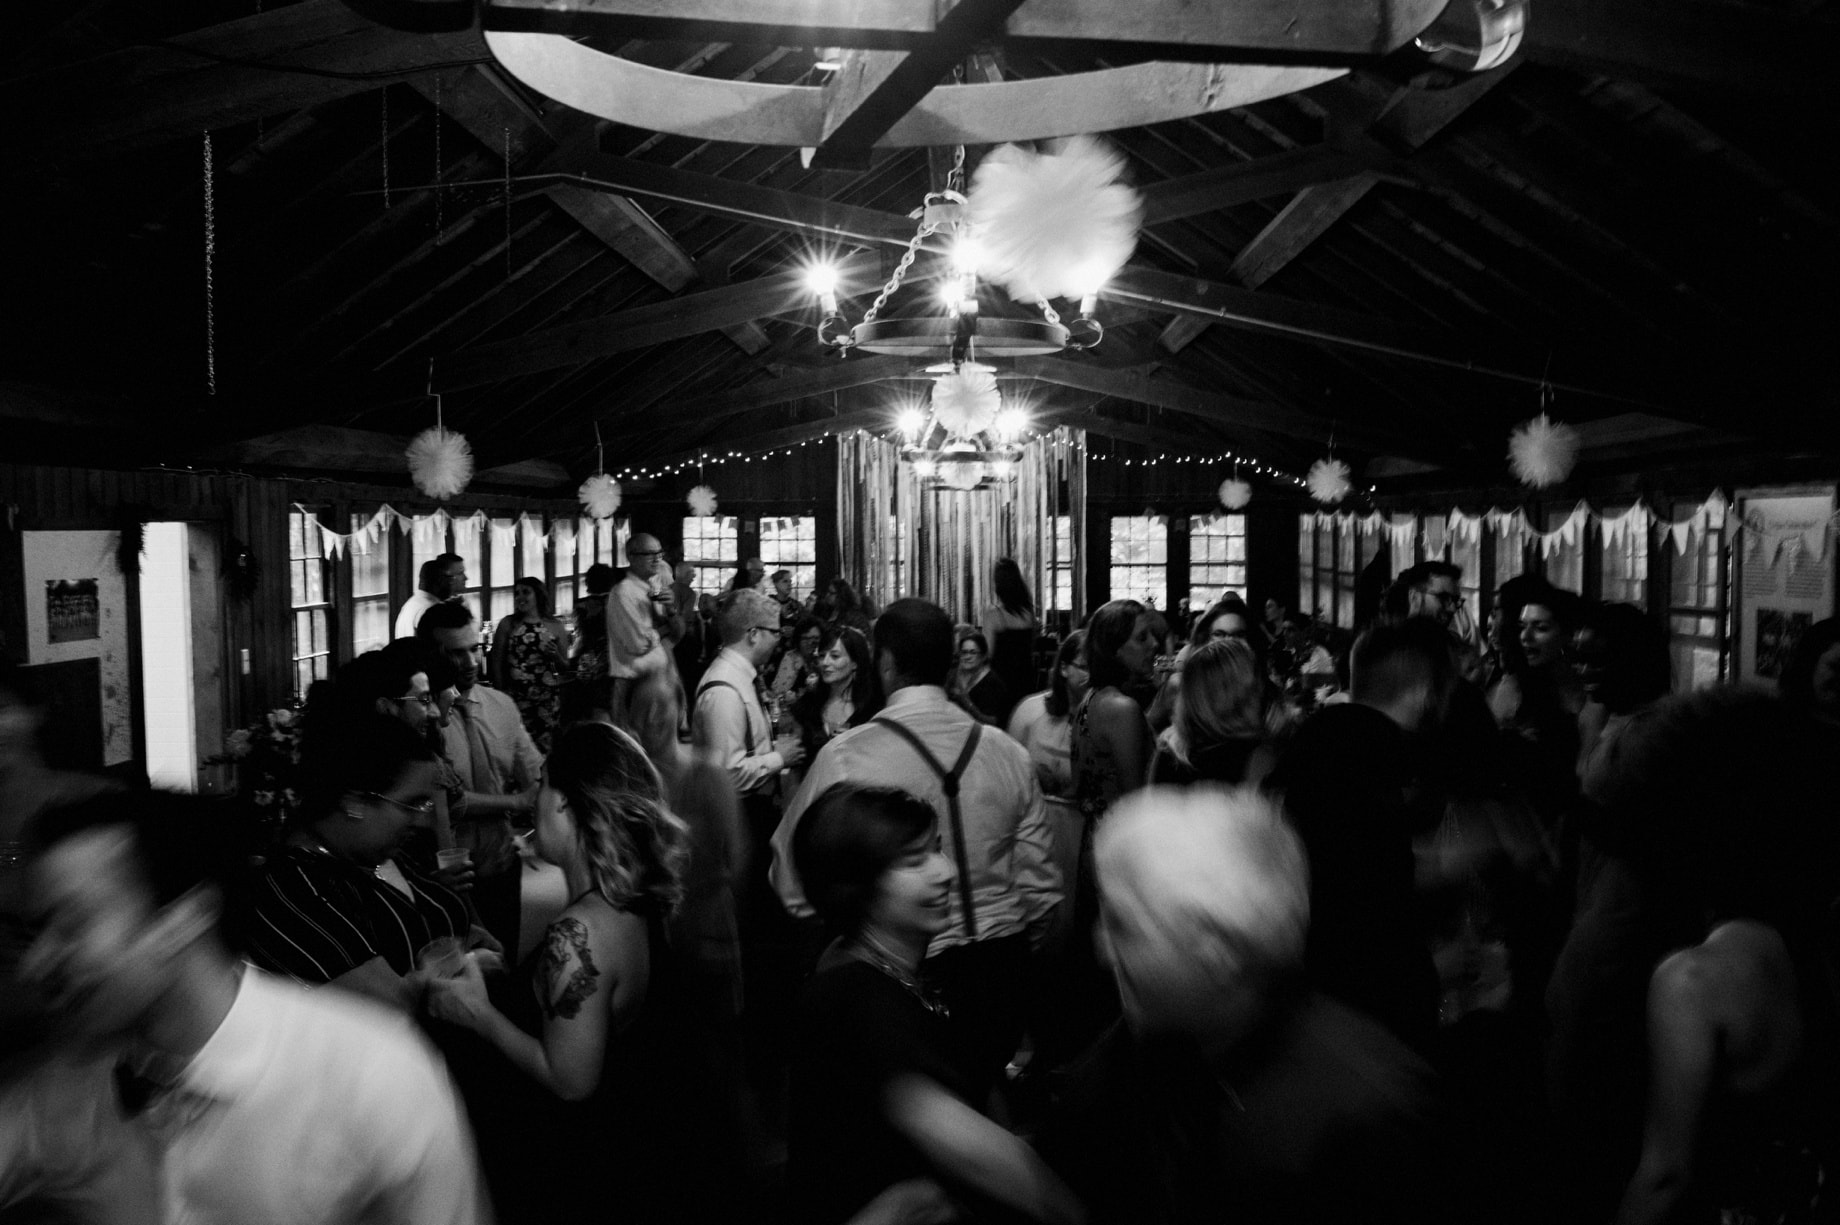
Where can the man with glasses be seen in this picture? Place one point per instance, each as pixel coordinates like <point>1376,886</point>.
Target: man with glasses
<point>640,616</point>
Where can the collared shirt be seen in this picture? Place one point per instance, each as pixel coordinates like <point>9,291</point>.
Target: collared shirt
<point>509,764</point>
<point>635,646</point>
<point>315,917</point>
<point>313,1108</point>
<point>1014,883</point>
<point>411,612</point>
<point>724,723</point>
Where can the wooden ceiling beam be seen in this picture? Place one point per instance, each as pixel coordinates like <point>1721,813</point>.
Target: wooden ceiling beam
<point>1212,406</point>
<point>1746,48</point>
<point>1411,116</point>
<point>1209,191</point>
<point>1312,30</point>
<point>637,328</point>
<point>873,90</point>
<point>762,393</point>
<point>288,58</point>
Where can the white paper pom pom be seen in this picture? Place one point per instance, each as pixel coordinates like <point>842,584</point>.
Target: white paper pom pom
<point>1543,452</point>
<point>702,501</point>
<point>1055,224</point>
<point>966,401</point>
<point>1235,493</point>
<point>1328,480</point>
<point>440,462</point>
<point>600,495</point>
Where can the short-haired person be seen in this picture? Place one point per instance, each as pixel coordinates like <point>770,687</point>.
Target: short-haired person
<point>262,1102</point>
<point>499,765</point>
<point>440,579</point>
<point>882,1102</point>
<point>1007,887</point>
<point>641,618</point>
<point>1232,1091</point>
<point>337,903</point>
<point>1347,778</point>
<point>977,684</point>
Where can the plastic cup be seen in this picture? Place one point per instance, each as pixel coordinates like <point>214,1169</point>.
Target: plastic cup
<point>442,958</point>
<point>453,857</point>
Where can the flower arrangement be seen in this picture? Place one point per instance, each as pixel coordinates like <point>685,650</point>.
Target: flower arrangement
<point>266,755</point>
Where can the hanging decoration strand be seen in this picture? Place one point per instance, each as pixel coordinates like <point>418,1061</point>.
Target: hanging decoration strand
<point>437,159</point>
<point>385,95</point>
<point>210,272</point>
<point>507,203</point>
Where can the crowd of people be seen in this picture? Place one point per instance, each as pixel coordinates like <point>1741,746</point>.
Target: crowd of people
<point>870,916</point>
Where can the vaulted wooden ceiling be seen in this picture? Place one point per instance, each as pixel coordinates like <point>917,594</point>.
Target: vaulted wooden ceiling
<point>1637,213</point>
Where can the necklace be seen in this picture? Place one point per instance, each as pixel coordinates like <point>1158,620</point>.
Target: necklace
<point>864,948</point>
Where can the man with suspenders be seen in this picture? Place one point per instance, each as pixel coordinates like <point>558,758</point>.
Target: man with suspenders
<point>992,827</point>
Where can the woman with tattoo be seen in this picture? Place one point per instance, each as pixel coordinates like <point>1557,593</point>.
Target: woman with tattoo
<point>881,1127</point>
<point>581,1129</point>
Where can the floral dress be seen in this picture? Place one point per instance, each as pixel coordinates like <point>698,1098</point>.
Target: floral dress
<point>535,673</point>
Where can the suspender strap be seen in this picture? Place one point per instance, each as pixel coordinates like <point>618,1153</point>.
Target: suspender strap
<point>747,724</point>
<point>948,783</point>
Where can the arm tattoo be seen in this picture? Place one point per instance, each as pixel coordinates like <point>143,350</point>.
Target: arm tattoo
<point>566,940</point>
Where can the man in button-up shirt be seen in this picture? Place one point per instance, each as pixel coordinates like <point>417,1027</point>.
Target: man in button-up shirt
<point>640,619</point>
<point>1013,884</point>
<point>498,764</point>
<point>257,1101</point>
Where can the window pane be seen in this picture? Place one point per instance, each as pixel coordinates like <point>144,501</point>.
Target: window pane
<point>370,624</point>
<point>791,544</point>
<point>710,544</point>
<point>1139,546</point>
<point>370,571</point>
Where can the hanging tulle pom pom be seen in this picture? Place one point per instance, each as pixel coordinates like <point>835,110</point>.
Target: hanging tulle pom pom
<point>1055,224</point>
<point>966,401</point>
<point>702,501</point>
<point>1235,493</point>
<point>600,495</point>
<point>440,462</point>
<point>1328,480</point>
<point>1543,452</point>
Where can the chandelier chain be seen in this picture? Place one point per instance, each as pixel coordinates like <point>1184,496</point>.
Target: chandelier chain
<point>900,270</point>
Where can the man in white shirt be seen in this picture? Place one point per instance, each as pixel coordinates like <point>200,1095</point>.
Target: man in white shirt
<point>1007,885</point>
<point>639,618</point>
<point>256,1100</point>
<point>441,579</point>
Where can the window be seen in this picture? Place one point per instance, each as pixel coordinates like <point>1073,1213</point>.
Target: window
<point>1060,567</point>
<point>308,597</point>
<point>1216,558</point>
<point>1624,565</point>
<point>370,589</point>
<point>1329,558</point>
<point>1696,606</point>
<point>504,566</point>
<point>1565,562</point>
<point>791,544</point>
<point>710,544</point>
<point>1466,555</point>
<point>1510,555</point>
<point>1140,560</point>
<point>466,544</point>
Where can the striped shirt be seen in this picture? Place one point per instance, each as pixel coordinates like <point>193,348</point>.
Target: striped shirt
<point>316,916</point>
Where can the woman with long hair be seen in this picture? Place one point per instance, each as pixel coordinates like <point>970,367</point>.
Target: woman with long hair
<point>848,693</point>
<point>1219,725</point>
<point>530,659</point>
<point>1111,739</point>
<point>881,1120</point>
<point>1012,623</point>
<point>1043,724</point>
<point>581,1025</point>
<point>846,607</point>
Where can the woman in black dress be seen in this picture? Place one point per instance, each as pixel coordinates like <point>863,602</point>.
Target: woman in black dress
<point>879,1114</point>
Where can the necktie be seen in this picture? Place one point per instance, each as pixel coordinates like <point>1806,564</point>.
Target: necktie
<point>479,762</point>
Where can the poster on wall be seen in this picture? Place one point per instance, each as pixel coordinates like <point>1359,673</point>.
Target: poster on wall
<point>72,613</point>
<point>1785,579</point>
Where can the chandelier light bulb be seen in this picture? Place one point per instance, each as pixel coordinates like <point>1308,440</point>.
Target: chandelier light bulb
<point>910,422</point>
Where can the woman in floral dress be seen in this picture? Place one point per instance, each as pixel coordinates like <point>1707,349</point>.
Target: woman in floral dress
<point>530,659</point>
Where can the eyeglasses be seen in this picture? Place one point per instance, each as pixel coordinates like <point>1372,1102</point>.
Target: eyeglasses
<point>423,809</point>
<point>425,699</point>
<point>765,629</point>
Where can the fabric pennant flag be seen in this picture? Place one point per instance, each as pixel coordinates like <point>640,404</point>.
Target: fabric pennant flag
<point>1437,535</point>
<point>1681,532</point>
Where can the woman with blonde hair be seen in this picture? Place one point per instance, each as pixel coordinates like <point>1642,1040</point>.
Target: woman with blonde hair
<point>588,1021</point>
<point>1218,731</point>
